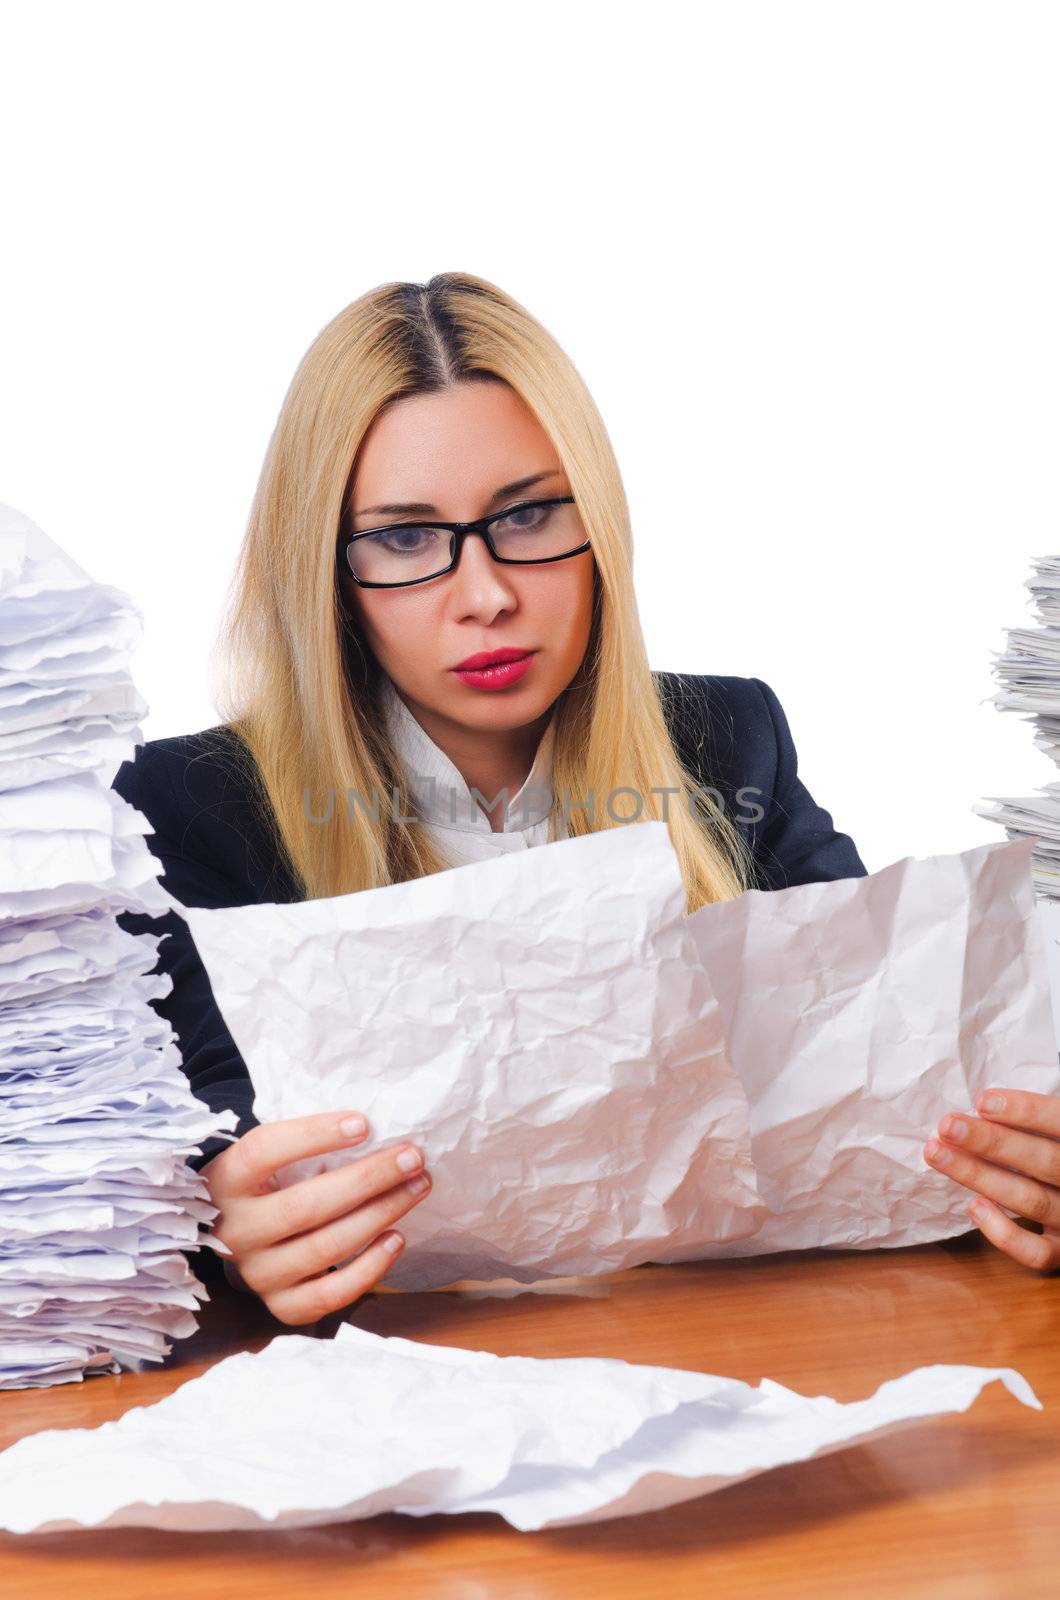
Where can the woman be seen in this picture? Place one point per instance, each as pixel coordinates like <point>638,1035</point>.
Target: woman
<point>353,664</point>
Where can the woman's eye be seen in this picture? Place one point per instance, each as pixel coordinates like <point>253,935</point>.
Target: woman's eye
<point>405,540</point>
<point>523,519</point>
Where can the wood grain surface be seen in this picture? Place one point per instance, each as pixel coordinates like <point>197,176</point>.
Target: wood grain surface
<point>964,1505</point>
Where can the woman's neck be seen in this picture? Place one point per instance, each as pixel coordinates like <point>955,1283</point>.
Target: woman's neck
<point>487,759</point>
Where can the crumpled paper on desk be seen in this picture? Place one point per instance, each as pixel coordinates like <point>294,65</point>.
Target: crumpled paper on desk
<point>311,1431</point>
<point>561,1039</point>
<point>539,1024</point>
<point>856,1014</point>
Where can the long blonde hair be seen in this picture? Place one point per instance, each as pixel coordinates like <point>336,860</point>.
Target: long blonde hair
<point>301,689</point>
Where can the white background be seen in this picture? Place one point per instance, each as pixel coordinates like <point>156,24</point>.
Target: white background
<point>806,257</point>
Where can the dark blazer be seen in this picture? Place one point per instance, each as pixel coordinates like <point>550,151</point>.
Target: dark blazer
<point>215,851</point>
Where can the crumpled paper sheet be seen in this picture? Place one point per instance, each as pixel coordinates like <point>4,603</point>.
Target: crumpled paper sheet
<point>328,1430</point>
<point>539,1024</point>
<point>562,1039</point>
<point>856,1014</point>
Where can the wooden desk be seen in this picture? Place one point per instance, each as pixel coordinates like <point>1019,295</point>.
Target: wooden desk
<point>964,1506</point>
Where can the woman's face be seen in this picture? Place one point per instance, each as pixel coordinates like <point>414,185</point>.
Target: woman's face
<point>454,450</point>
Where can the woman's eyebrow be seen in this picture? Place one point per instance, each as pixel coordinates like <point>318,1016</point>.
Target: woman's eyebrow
<point>420,508</point>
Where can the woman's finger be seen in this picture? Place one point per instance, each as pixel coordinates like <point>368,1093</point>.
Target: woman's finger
<point>294,1260</point>
<point>1040,1251</point>
<point>1029,1153</point>
<point>1025,1196</point>
<point>307,1205</point>
<point>319,1297</point>
<point>248,1166</point>
<point>1021,1108</point>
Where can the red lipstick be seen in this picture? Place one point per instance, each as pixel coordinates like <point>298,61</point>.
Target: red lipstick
<point>494,669</point>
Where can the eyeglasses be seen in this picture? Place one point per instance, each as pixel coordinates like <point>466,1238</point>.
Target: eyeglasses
<point>404,553</point>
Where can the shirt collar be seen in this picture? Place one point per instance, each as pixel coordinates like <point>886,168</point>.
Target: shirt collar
<point>439,793</point>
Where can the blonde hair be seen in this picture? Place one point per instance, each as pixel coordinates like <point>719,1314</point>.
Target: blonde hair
<point>301,689</point>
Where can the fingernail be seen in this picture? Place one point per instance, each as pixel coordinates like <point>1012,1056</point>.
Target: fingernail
<point>392,1242</point>
<point>936,1152</point>
<point>956,1128</point>
<point>351,1126</point>
<point>977,1208</point>
<point>409,1160</point>
<point>417,1185</point>
<point>992,1102</point>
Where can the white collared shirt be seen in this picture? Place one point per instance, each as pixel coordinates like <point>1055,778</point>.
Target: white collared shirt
<point>442,802</point>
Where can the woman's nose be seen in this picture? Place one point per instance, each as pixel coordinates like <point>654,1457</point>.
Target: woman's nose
<point>476,572</point>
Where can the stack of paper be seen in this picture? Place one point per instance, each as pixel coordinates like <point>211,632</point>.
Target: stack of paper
<point>597,1079</point>
<point>326,1430</point>
<point>97,1202</point>
<point>1037,817</point>
<point>1029,672</point>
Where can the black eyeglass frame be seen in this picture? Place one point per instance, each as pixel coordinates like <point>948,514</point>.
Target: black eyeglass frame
<point>461,529</point>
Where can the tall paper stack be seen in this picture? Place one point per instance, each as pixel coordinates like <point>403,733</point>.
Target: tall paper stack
<point>1029,672</point>
<point>97,1201</point>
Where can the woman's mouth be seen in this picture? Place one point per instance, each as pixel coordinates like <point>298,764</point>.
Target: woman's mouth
<point>497,676</point>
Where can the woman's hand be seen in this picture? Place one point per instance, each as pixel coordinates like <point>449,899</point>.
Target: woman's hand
<point>1019,1130</point>
<point>284,1240</point>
